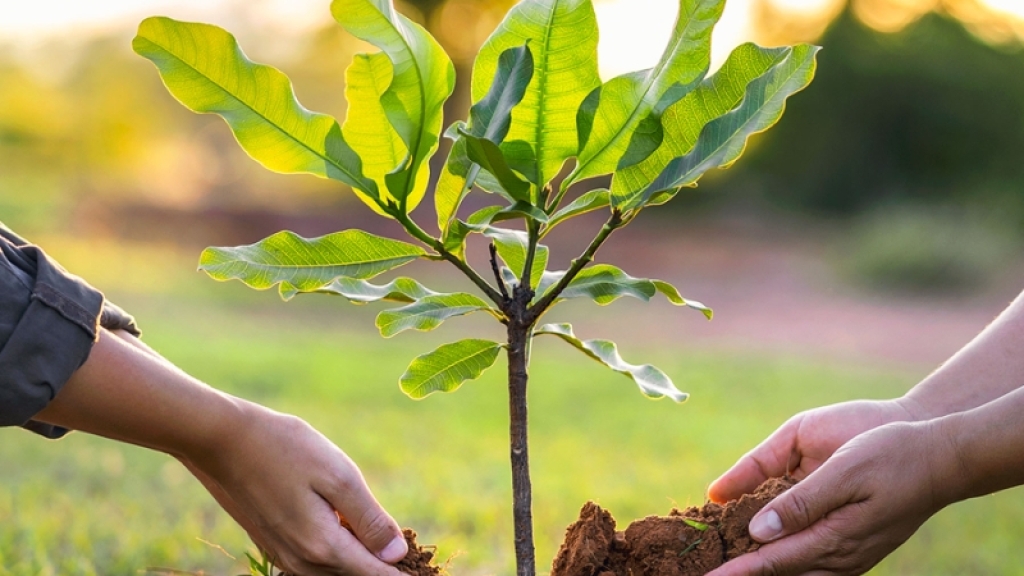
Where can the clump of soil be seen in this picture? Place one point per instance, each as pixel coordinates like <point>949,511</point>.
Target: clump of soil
<point>689,542</point>
<point>418,561</point>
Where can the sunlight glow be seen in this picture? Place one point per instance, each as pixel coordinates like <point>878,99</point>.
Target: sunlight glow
<point>36,21</point>
<point>633,33</point>
<point>802,5</point>
<point>634,39</point>
<point>1013,7</point>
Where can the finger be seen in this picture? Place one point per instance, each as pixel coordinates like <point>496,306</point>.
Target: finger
<point>770,459</point>
<point>797,555</point>
<point>801,506</point>
<point>332,550</point>
<point>372,525</point>
<point>353,559</point>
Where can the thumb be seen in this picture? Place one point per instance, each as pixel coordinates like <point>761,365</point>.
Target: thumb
<point>360,512</point>
<point>799,507</point>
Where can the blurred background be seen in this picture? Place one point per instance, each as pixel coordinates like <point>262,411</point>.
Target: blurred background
<point>854,247</point>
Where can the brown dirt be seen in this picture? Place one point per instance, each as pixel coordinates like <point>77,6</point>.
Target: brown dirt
<point>419,560</point>
<point>689,542</point>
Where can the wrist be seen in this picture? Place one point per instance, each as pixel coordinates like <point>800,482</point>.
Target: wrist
<point>225,422</point>
<point>916,410</point>
<point>951,478</point>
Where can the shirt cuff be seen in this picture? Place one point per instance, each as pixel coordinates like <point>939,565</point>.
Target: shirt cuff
<point>114,318</point>
<point>50,341</point>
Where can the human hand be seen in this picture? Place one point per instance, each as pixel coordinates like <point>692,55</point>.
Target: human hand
<point>857,507</point>
<point>805,442</point>
<point>290,488</point>
<point>287,485</point>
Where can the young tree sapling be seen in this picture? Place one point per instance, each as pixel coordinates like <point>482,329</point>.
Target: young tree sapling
<point>538,104</point>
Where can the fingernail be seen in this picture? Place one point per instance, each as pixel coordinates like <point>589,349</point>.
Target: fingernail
<point>394,551</point>
<point>766,526</point>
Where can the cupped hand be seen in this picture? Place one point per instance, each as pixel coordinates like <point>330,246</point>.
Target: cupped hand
<point>291,488</point>
<point>287,485</point>
<point>805,442</point>
<point>856,508</point>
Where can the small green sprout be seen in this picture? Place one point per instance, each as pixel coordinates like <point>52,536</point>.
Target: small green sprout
<point>698,525</point>
<point>690,548</point>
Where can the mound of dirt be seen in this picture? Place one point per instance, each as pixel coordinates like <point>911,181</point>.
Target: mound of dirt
<point>689,542</point>
<point>418,561</point>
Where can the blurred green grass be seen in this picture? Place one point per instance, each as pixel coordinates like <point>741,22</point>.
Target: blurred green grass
<point>86,506</point>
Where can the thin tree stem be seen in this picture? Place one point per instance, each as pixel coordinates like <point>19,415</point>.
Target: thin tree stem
<point>533,233</point>
<point>615,222</point>
<point>497,273</point>
<point>562,189</point>
<point>522,490</point>
<point>418,233</point>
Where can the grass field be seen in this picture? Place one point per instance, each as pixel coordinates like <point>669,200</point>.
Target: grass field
<point>86,506</point>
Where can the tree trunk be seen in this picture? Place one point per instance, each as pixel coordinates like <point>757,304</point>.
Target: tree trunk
<point>522,491</point>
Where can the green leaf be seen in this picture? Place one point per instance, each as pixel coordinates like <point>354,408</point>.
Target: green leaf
<point>455,238</point>
<point>490,118</point>
<point>453,186</point>
<point>489,157</point>
<point>547,280</point>
<point>625,104</point>
<point>513,245</point>
<point>725,116</point>
<point>445,369</point>
<point>367,128</point>
<point>423,79</point>
<point>484,216</point>
<point>460,174</point>
<point>684,121</point>
<point>521,158</point>
<point>588,202</point>
<point>564,34</point>
<point>302,265</point>
<point>521,210</point>
<point>429,312</point>
<point>362,292</point>
<point>204,68</point>
<point>672,293</point>
<point>652,382</point>
<point>604,284</point>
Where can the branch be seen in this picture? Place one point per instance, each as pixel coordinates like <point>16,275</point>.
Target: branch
<point>562,189</point>
<point>416,232</point>
<point>526,278</point>
<point>497,272</point>
<point>614,223</point>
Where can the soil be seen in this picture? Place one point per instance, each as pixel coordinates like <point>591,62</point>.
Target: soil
<point>689,542</point>
<point>418,561</point>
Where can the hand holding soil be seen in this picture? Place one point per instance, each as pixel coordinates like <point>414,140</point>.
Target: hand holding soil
<point>280,479</point>
<point>873,472</point>
<point>858,507</point>
<point>291,507</point>
<point>804,443</point>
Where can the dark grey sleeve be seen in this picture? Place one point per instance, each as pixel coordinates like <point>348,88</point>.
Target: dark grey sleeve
<point>113,316</point>
<point>48,324</point>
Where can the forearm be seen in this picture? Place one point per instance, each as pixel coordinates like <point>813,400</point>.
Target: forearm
<point>126,394</point>
<point>985,444</point>
<point>986,369</point>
